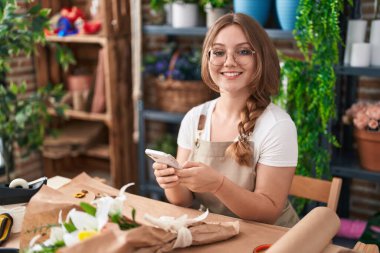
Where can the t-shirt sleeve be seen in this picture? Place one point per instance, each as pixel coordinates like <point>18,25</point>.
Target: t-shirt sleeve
<point>186,131</point>
<point>280,147</point>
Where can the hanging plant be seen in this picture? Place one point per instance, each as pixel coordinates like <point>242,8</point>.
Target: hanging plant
<point>308,93</point>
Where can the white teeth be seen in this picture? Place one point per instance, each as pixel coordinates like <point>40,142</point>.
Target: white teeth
<point>231,73</point>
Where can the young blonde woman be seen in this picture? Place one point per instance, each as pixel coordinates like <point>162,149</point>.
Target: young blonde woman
<point>239,151</point>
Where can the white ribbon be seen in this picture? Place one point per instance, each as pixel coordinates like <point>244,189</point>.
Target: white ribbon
<point>177,225</point>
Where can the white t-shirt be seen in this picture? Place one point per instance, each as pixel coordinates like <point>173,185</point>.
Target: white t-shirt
<point>274,135</point>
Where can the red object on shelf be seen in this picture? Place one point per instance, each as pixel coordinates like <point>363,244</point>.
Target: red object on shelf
<point>72,14</point>
<point>91,27</point>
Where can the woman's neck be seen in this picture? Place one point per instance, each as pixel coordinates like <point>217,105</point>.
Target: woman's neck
<point>229,107</point>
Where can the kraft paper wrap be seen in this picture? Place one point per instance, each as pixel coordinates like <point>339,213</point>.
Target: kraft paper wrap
<point>44,207</point>
<point>312,234</point>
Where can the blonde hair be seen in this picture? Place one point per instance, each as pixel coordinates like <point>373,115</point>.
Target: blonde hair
<point>265,81</point>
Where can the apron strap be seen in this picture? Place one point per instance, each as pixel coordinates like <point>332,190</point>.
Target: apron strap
<point>201,124</point>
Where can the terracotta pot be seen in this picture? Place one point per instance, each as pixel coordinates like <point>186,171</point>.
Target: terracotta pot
<point>368,149</point>
<point>79,82</point>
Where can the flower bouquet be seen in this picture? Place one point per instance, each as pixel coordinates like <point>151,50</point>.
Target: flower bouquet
<point>366,119</point>
<point>107,222</point>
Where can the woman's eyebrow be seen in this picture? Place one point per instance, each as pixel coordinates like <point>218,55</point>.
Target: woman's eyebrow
<point>239,44</point>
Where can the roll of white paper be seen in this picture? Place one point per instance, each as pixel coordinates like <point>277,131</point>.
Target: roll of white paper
<point>311,234</point>
<point>375,55</point>
<point>355,33</point>
<point>19,182</point>
<point>17,214</point>
<point>360,55</point>
<point>375,32</point>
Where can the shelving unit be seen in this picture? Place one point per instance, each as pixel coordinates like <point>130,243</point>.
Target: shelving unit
<point>115,156</point>
<point>346,163</point>
<point>147,186</point>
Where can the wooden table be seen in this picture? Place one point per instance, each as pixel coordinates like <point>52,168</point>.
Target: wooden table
<point>251,234</point>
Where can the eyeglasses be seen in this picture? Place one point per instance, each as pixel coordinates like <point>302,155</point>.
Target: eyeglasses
<point>241,55</point>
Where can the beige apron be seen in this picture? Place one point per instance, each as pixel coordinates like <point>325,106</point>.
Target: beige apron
<point>212,154</point>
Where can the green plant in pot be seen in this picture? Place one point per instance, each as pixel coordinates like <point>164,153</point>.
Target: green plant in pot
<point>159,4</point>
<point>23,115</point>
<point>308,91</point>
<point>217,3</point>
<point>215,9</point>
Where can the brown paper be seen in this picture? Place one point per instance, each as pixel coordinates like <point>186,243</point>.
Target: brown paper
<point>151,239</point>
<point>44,208</point>
<point>312,234</point>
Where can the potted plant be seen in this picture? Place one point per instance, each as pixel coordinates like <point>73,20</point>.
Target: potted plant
<point>215,9</point>
<point>166,5</point>
<point>308,92</point>
<point>23,116</point>
<point>366,119</point>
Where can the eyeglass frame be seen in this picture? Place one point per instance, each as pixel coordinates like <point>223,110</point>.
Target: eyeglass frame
<point>233,56</point>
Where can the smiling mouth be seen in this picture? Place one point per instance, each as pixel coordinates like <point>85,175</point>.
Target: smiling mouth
<point>231,74</point>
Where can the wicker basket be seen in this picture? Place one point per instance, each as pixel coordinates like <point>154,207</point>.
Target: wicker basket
<point>180,95</point>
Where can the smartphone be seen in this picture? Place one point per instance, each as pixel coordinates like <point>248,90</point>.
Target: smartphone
<point>162,157</point>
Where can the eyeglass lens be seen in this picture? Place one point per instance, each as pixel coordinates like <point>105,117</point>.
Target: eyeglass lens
<point>242,56</point>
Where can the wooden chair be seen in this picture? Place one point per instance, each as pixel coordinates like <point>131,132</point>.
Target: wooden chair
<point>317,189</point>
<point>366,248</point>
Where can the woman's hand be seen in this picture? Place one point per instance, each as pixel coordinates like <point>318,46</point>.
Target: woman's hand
<point>198,177</point>
<point>165,176</point>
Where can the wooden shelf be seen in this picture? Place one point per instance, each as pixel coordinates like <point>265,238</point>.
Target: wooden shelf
<point>99,151</point>
<point>348,166</point>
<point>201,31</point>
<point>162,116</point>
<point>358,71</point>
<point>84,116</point>
<point>92,39</point>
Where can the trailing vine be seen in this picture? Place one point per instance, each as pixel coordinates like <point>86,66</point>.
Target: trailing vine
<point>308,92</point>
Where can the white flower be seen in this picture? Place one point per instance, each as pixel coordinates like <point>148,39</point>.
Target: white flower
<point>82,220</point>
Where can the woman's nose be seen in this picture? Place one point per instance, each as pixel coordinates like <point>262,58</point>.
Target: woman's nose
<point>230,60</point>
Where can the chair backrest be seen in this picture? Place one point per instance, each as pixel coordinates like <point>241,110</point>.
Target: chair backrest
<point>366,248</point>
<point>317,189</point>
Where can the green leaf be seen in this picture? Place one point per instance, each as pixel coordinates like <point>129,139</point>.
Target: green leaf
<point>69,226</point>
<point>91,210</point>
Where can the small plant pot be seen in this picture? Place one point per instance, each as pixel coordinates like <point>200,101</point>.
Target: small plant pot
<point>79,87</point>
<point>79,82</point>
<point>368,149</point>
<point>212,14</point>
<point>185,15</point>
<point>168,13</point>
